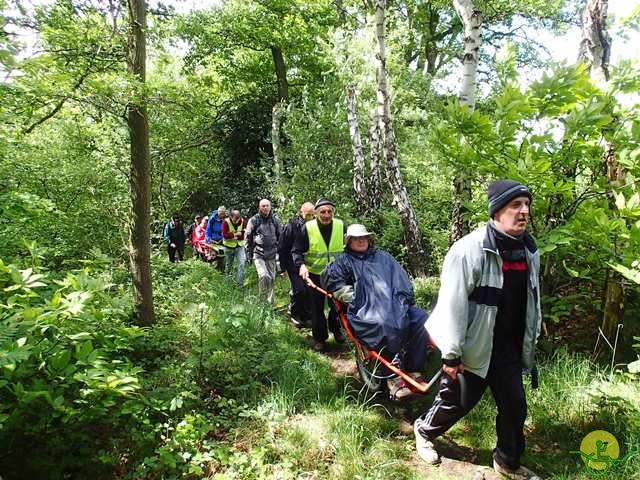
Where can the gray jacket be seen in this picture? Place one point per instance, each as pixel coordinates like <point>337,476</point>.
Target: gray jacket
<point>262,234</point>
<point>463,320</point>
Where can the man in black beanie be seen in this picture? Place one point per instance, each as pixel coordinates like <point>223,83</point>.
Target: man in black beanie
<point>486,324</point>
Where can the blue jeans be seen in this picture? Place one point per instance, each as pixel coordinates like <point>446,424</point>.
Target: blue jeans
<point>239,254</point>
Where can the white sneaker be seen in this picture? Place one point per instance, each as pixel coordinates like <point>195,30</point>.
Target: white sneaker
<point>521,473</point>
<point>425,448</point>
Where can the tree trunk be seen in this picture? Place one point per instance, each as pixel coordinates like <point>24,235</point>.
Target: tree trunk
<point>375,177</point>
<point>281,74</point>
<point>278,166</point>
<point>595,47</point>
<point>359,185</point>
<point>412,235</point>
<point>459,222</point>
<point>140,179</point>
<point>595,50</point>
<point>472,21</point>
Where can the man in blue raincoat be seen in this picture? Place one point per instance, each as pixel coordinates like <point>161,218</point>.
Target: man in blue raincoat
<point>381,310</point>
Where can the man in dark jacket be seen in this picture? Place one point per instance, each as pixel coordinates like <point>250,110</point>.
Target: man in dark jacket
<point>381,310</point>
<point>298,302</point>
<point>174,237</point>
<point>262,234</point>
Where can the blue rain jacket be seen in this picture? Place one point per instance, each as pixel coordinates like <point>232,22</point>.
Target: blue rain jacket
<point>382,309</point>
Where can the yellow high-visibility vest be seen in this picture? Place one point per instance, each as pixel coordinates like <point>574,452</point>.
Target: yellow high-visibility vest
<point>233,243</point>
<point>319,255</point>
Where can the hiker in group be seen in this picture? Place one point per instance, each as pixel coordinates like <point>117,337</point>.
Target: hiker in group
<point>198,241</point>
<point>190,231</point>
<point>174,237</point>
<point>319,243</point>
<point>486,323</point>
<point>298,304</point>
<point>381,306</point>
<point>233,230</point>
<point>262,234</point>
<point>214,235</point>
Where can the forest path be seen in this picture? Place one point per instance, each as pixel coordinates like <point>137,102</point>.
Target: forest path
<point>458,462</point>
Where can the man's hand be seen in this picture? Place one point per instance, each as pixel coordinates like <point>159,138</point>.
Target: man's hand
<point>453,371</point>
<point>173,245</point>
<point>304,273</point>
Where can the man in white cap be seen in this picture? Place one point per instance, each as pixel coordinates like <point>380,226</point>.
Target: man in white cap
<point>319,243</point>
<point>381,311</point>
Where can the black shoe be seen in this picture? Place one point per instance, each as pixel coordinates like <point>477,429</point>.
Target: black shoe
<point>319,346</point>
<point>339,337</point>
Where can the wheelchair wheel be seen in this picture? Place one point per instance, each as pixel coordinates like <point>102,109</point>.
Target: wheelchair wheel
<point>370,372</point>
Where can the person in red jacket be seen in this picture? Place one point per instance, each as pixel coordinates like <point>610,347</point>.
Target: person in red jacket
<point>198,240</point>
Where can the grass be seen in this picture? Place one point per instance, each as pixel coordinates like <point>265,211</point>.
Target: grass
<point>298,420</point>
<point>229,390</point>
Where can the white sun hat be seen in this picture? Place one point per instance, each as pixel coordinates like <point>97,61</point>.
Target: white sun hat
<point>357,230</point>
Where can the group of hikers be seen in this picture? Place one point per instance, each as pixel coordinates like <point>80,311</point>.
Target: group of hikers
<point>485,323</point>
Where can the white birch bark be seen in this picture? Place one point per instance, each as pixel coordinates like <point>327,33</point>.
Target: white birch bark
<point>278,167</point>
<point>401,201</point>
<point>375,177</point>
<point>595,47</point>
<point>472,21</point>
<point>359,185</point>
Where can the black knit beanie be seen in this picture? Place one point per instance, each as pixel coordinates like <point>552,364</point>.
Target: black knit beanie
<point>501,192</point>
<point>324,201</point>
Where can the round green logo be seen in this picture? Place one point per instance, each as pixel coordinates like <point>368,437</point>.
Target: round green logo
<point>599,448</point>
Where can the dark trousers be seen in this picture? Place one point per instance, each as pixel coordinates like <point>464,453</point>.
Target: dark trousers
<point>318,320</point>
<point>172,253</point>
<point>416,346</point>
<point>220,256</point>
<point>298,297</point>
<point>505,382</point>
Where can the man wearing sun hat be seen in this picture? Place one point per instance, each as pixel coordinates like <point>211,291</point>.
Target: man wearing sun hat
<point>486,324</point>
<point>319,243</point>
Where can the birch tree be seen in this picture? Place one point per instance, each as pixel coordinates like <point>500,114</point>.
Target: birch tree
<point>276,118</point>
<point>140,173</point>
<point>401,201</point>
<point>375,178</point>
<point>472,21</point>
<point>359,185</point>
<point>595,51</point>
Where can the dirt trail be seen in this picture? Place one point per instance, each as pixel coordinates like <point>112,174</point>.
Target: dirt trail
<point>458,463</point>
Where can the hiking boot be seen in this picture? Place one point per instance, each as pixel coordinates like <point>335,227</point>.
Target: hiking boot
<point>521,473</point>
<point>425,448</point>
<point>319,346</point>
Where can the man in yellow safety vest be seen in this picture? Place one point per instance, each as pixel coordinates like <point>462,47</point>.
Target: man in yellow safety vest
<point>233,229</point>
<point>319,243</point>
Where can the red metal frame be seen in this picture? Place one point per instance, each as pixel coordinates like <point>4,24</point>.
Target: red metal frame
<point>416,386</point>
